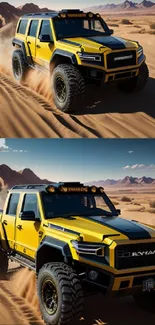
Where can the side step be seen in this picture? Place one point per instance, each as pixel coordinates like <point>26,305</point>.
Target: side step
<point>23,261</point>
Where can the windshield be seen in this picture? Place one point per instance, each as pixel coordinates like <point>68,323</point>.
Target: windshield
<point>80,27</point>
<point>65,205</point>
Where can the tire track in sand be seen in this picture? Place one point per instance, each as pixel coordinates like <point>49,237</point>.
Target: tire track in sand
<point>26,113</point>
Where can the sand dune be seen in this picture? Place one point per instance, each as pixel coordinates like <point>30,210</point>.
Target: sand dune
<point>28,111</point>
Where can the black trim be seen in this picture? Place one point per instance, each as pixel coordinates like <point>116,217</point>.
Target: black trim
<point>126,227</point>
<point>70,42</point>
<point>55,243</point>
<point>63,229</point>
<point>66,54</point>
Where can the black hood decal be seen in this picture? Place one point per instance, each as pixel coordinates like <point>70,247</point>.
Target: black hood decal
<point>130,229</point>
<point>114,43</point>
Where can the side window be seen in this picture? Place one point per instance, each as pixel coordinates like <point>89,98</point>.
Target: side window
<point>22,26</point>
<point>45,29</point>
<point>13,203</point>
<point>33,28</point>
<point>30,203</point>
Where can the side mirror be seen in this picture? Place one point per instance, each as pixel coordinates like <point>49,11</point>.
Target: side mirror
<point>118,211</point>
<point>28,215</point>
<point>45,38</point>
<point>111,31</point>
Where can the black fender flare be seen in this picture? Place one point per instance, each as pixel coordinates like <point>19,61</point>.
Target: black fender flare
<point>65,54</point>
<point>21,43</point>
<point>53,244</point>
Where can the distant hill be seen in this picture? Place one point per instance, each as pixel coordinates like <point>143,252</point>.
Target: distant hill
<point>9,13</point>
<point>125,6</point>
<point>10,177</point>
<point>128,181</point>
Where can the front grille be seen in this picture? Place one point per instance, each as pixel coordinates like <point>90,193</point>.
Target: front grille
<point>121,59</point>
<point>127,256</point>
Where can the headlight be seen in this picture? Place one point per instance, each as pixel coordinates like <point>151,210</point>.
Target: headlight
<point>88,248</point>
<point>140,51</point>
<point>89,57</point>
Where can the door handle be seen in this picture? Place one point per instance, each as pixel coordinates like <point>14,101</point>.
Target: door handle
<point>28,42</point>
<point>5,222</point>
<point>38,46</point>
<point>19,227</point>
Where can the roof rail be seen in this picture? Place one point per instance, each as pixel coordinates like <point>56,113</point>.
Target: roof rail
<point>48,13</point>
<point>30,186</point>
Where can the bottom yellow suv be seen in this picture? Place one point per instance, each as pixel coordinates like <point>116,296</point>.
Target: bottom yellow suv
<point>71,235</point>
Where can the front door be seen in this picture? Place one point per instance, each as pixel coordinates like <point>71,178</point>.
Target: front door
<point>28,232</point>
<point>31,38</point>
<point>44,50</point>
<point>9,219</point>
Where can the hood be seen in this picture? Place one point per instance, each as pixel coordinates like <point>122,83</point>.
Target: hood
<point>99,43</point>
<point>97,228</point>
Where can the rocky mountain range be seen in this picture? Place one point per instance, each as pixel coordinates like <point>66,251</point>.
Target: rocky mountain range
<point>9,13</point>
<point>124,6</point>
<point>10,177</point>
<point>128,181</point>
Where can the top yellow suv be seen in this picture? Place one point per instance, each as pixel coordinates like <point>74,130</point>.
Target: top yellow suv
<point>76,48</point>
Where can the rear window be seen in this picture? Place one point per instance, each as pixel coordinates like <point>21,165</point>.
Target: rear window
<point>22,26</point>
<point>13,203</point>
<point>33,28</point>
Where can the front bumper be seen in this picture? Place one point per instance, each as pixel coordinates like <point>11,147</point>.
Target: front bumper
<point>104,75</point>
<point>116,285</point>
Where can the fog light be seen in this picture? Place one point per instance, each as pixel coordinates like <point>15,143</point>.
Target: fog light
<point>93,275</point>
<point>93,73</point>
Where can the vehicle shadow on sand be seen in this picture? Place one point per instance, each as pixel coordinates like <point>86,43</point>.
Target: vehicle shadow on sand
<point>111,100</point>
<point>116,311</point>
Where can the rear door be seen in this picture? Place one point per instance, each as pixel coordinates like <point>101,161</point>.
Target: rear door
<point>9,219</point>
<point>44,50</point>
<point>31,38</point>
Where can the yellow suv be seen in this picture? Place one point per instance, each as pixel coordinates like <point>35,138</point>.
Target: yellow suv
<point>71,235</point>
<point>76,48</point>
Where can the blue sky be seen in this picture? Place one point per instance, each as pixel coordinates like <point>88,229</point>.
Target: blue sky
<point>80,159</point>
<point>68,3</point>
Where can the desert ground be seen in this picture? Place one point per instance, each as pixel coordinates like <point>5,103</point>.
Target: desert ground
<point>19,291</point>
<point>28,111</point>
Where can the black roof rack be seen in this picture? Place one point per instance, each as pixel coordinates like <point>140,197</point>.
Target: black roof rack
<point>43,186</point>
<point>30,186</point>
<point>53,14</point>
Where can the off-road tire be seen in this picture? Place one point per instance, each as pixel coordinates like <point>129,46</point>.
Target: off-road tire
<point>74,85</point>
<point>136,83</point>
<point>69,292</point>
<point>19,66</point>
<point>146,301</point>
<point>3,264</point>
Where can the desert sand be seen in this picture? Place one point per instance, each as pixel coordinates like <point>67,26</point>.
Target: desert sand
<point>28,110</point>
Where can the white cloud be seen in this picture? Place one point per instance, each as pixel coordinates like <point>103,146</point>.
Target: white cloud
<point>140,167</point>
<point>131,151</point>
<point>5,148</point>
<point>126,167</point>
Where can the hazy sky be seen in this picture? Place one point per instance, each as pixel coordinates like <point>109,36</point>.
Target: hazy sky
<point>83,159</point>
<point>68,3</point>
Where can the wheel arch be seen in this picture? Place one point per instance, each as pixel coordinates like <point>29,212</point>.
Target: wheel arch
<point>52,250</point>
<point>61,56</point>
<point>22,47</point>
